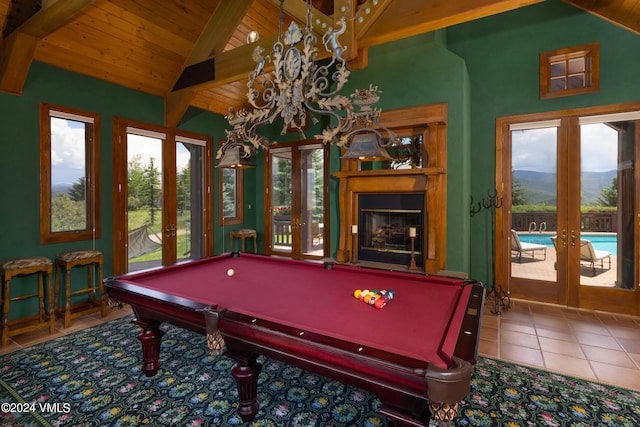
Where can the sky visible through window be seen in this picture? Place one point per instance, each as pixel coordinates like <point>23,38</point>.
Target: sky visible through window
<point>67,151</point>
<point>68,156</point>
<point>536,149</point>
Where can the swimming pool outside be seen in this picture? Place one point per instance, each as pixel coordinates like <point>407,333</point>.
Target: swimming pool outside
<point>603,242</point>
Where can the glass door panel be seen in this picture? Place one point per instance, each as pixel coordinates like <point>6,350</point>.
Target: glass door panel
<point>145,192</point>
<point>573,211</point>
<point>534,203</point>
<point>312,199</point>
<point>297,188</point>
<point>607,225</point>
<point>189,199</point>
<point>281,200</point>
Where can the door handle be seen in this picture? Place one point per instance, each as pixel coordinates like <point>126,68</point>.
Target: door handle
<point>170,230</point>
<point>563,237</point>
<point>573,238</point>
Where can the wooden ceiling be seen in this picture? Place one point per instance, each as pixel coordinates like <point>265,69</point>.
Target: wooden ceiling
<point>146,45</point>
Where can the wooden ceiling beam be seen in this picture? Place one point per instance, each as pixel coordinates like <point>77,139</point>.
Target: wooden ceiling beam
<point>53,15</point>
<point>16,55</point>
<point>297,9</point>
<point>175,105</point>
<point>219,29</point>
<point>625,14</point>
<point>346,9</point>
<point>408,18</point>
<point>369,13</point>
<point>236,64</point>
<point>231,66</point>
<point>18,49</point>
<point>213,38</point>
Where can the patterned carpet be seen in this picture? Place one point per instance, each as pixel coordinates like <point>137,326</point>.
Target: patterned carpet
<point>93,378</point>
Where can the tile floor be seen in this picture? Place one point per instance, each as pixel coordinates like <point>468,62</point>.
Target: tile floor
<point>581,343</point>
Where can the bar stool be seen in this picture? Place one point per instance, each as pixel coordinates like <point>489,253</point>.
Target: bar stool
<point>24,267</point>
<point>65,261</point>
<point>243,234</point>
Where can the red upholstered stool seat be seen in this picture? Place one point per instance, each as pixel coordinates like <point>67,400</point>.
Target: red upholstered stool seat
<point>23,267</point>
<point>93,260</point>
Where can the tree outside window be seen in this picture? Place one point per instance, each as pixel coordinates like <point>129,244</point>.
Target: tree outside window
<point>69,175</point>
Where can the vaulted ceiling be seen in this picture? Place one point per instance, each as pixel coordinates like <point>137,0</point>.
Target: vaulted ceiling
<point>195,52</point>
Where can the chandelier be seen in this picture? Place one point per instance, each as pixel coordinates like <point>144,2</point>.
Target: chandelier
<point>298,90</point>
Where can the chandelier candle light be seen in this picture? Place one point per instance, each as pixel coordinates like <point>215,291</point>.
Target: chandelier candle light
<point>297,90</point>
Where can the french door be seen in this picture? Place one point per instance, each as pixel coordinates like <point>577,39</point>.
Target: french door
<point>568,229</point>
<point>295,209</point>
<point>163,197</point>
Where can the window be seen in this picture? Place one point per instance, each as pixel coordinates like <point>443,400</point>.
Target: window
<point>231,196</point>
<point>409,153</point>
<point>69,171</point>
<point>570,71</point>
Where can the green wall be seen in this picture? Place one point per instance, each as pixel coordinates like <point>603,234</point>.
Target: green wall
<point>20,159</point>
<point>483,70</point>
<point>502,56</point>
<point>420,71</point>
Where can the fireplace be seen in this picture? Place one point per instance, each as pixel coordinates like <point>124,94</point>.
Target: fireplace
<point>385,224</point>
<point>392,202</point>
<point>423,187</point>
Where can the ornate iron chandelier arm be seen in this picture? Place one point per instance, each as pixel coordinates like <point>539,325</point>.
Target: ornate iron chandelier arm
<point>332,44</point>
<point>298,90</point>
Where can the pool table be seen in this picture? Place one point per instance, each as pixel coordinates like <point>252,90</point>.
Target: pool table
<point>416,353</point>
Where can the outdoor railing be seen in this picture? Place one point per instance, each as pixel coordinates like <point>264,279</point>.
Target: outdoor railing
<point>282,232</point>
<point>600,222</point>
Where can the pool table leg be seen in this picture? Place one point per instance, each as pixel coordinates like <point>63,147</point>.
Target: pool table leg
<point>443,413</point>
<point>150,338</point>
<point>246,371</point>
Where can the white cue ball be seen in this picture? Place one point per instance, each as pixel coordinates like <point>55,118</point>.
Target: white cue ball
<point>230,272</point>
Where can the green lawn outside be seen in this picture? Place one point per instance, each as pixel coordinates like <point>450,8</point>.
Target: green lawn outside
<point>140,217</point>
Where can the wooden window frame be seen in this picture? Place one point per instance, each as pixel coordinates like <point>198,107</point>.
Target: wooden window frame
<point>590,52</point>
<point>239,197</point>
<point>93,230</point>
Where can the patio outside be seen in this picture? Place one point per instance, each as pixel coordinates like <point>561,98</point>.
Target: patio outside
<point>538,268</point>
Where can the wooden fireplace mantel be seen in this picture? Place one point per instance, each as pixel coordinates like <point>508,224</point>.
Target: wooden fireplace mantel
<point>389,173</point>
<point>429,180</point>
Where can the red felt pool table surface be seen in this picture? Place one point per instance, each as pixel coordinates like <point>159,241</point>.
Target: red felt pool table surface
<point>422,322</point>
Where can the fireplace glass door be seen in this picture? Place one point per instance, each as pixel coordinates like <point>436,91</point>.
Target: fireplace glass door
<point>390,228</point>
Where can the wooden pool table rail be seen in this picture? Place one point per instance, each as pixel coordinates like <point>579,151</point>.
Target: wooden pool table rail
<point>407,388</point>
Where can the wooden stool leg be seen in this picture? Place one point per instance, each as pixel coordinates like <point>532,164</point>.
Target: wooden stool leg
<point>41,296</point>
<point>5,312</point>
<point>52,312</point>
<point>67,297</point>
<point>90,283</point>
<point>103,300</point>
<point>56,286</point>
<point>242,238</point>
<point>230,243</point>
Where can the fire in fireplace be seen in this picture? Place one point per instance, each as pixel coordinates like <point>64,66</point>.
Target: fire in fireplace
<point>385,222</point>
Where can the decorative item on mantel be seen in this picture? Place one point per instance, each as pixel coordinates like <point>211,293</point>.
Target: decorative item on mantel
<point>299,88</point>
<point>354,234</point>
<point>412,236</point>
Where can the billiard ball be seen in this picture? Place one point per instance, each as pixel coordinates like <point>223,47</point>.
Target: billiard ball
<point>230,272</point>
